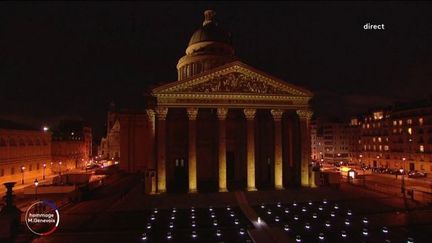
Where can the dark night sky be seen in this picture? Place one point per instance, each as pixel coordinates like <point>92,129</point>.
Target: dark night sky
<point>72,59</point>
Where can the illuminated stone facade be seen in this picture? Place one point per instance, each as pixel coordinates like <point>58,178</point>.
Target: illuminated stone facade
<point>23,154</point>
<point>400,137</point>
<point>330,141</point>
<point>71,149</point>
<point>109,147</point>
<point>223,125</point>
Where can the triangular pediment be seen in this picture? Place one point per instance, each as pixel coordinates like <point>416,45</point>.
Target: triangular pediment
<point>233,78</point>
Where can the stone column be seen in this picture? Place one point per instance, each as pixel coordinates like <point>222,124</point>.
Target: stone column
<point>277,116</point>
<point>192,114</point>
<point>161,113</point>
<point>152,126</point>
<point>222,114</point>
<point>305,116</point>
<point>250,117</point>
<point>151,158</point>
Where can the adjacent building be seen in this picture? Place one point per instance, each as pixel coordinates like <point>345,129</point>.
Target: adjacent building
<point>71,146</point>
<point>25,153</point>
<point>109,147</point>
<point>330,141</point>
<point>399,137</point>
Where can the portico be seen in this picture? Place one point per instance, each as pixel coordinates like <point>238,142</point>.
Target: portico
<point>241,89</point>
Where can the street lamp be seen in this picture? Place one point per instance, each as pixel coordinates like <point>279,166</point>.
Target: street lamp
<point>36,183</point>
<point>22,172</point>
<point>60,163</point>
<point>403,176</point>
<point>44,167</point>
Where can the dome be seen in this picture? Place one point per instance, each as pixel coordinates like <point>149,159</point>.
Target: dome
<point>209,47</point>
<point>210,31</point>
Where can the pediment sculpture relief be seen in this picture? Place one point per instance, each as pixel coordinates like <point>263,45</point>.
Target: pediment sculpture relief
<point>236,82</point>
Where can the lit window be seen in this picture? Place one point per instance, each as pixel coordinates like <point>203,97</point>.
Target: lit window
<point>378,115</point>
<point>421,148</point>
<point>420,121</point>
<point>409,131</point>
<point>400,122</point>
<point>394,123</point>
<point>367,125</point>
<point>373,139</point>
<point>374,147</point>
<point>409,121</point>
<point>395,130</point>
<point>387,139</point>
<point>379,139</point>
<point>380,147</point>
<point>364,147</point>
<point>386,147</point>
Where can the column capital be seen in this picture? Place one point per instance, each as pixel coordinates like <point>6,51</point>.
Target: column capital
<point>277,114</point>
<point>161,112</point>
<point>192,113</point>
<point>151,114</point>
<point>304,114</point>
<point>222,113</point>
<point>249,113</point>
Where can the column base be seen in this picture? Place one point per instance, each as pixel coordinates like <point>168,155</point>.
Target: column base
<point>279,188</point>
<point>223,190</point>
<point>193,191</point>
<point>251,189</point>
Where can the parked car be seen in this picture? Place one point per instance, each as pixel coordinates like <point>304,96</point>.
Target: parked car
<point>416,174</point>
<point>366,167</point>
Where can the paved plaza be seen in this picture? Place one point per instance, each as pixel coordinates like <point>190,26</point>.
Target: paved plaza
<point>122,213</point>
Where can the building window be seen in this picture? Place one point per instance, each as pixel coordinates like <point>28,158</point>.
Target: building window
<point>12,142</point>
<point>409,121</point>
<point>378,115</point>
<point>421,121</point>
<point>386,147</point>
<point>379,139</point>
<point>373,139</point>
<point>409,131</point>
<point>380,147</point>
<point>394,123</point>
<point>421,148</point>
<point>400,122</point>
